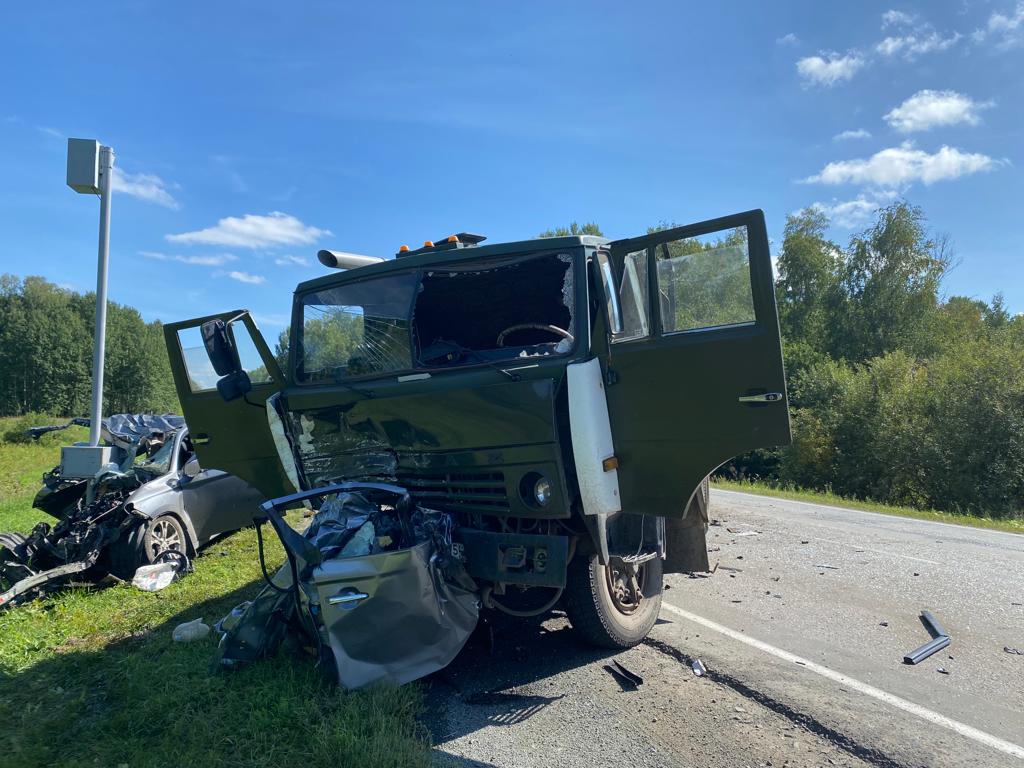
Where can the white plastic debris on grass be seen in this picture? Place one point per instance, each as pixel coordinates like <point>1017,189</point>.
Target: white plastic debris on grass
<point>153,578</point>
<point>191,631</point>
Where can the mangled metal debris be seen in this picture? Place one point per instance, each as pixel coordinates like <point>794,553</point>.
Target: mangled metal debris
<point>375,584</point>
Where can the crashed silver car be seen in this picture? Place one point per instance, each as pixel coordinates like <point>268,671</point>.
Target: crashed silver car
<point>152,499</point>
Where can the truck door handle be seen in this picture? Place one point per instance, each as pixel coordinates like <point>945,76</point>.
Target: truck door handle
<point>200,439</point>
<point>347,597</point>
<point>765,397</point>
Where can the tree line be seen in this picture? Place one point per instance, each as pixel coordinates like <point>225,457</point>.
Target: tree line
<point>898,393</point>
<point>46,349</point>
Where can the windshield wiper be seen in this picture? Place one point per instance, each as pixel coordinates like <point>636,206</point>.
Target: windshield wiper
<point>454,346</point>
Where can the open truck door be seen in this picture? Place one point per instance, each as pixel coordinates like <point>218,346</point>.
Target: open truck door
<point>231,435</point>
<point>693,370</point>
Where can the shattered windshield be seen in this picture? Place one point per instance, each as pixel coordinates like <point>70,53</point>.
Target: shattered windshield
<point>471,313</point>
<point>159,463</point>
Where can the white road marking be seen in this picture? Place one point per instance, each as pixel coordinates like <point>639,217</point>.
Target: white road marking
<point>876,551</point>
<point>924,713</point>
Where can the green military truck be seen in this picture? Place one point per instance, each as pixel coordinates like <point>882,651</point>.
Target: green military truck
<point>563,399</point>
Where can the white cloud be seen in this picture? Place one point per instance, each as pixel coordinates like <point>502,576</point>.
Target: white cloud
<point>896,19</point>
<point>252,231</point>
<point>852,213</point>
<point>145,186</point>
<point>290,260</point>
<point>787,39</point>
<point>50,131</point>
<point>925,40</point>
<point>213,260</point>
<point>245,277</point>
<point>829,69</point>
<point>1007,29</point>
<point>860,133</point>
<point>927,109</point>
<point>899,166</point>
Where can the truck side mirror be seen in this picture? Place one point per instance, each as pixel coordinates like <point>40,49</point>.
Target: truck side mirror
<point>235,385</point>
<point>220,348</point>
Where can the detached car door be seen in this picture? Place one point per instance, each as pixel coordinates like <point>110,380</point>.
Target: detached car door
<point>694,372</point>
<point>231,436</point>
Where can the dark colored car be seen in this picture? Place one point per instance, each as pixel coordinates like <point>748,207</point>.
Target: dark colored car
<point>563,399</point>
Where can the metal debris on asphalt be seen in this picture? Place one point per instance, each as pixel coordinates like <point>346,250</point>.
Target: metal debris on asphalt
<point>1016,651</point>
<point>942,670</point>
<point>698,668</point>
<point>940,639</point>
<point>624,674</point>
<point>830,567</point>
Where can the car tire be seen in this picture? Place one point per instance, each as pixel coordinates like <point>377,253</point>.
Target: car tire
<point>600,619</point>
<point>142,545</point>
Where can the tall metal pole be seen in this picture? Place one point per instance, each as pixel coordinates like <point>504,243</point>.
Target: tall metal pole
<point>99,343</point>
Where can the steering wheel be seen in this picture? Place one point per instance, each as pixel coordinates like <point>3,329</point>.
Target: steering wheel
<point>554,329</point>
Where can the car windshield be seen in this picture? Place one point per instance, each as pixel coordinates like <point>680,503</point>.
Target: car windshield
<point>471,313</point>
<point>159,463</point>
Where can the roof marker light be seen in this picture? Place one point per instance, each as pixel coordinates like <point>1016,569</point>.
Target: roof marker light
<point>453,238</point>
<point>428,243</point>
<point>403,249</point>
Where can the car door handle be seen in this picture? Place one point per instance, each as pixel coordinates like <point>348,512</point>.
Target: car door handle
<point>201,439</point>
<point>765,397</point>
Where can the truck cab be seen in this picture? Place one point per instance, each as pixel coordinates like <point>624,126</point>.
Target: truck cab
<point>564,399</point>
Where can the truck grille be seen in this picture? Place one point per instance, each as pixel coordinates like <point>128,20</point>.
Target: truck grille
<point>458,491</point>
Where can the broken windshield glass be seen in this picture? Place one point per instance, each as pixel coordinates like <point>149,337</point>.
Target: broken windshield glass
<point>471,313</point>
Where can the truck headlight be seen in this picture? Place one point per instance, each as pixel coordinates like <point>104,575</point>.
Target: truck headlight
<point>542,491</point>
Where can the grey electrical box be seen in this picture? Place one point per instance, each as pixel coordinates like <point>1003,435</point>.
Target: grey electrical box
<point>84,166</point>
<point>83,461</point>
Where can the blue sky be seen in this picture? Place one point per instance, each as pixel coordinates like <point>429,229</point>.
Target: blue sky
<point>249,135</point>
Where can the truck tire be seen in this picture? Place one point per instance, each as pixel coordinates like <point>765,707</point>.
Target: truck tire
<point>599,617</point>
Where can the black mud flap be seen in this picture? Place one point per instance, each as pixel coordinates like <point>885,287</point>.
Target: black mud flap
<point>686,547</point>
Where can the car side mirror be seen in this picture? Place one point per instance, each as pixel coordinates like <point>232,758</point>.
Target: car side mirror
<point>191,468</point>
<point>220,348</point>
<point>235,385</point>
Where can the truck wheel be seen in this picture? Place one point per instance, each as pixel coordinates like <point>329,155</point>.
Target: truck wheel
<point>601,606</point>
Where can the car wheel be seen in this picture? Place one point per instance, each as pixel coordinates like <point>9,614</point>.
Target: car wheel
<point>163,533</point>
<point>603,606</point>
<point>142,544</point>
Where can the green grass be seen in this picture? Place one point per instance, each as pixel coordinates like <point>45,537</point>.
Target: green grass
<point>821,497</point>
<point>91,676</point>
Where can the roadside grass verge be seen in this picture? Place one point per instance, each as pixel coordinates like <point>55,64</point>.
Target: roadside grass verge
<point>91,676</point>
<point>831,499</point>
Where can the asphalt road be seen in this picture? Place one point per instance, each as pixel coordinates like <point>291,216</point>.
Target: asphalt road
<point>802,627</point>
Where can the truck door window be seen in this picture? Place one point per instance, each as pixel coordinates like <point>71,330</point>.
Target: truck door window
<point>249,355</point>
<point>704,282</point>
<point>357,329</point>
<point>634,298</point>
<point>201,376</point>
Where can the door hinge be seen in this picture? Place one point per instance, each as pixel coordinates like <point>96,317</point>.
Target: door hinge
<point>610,377</point>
